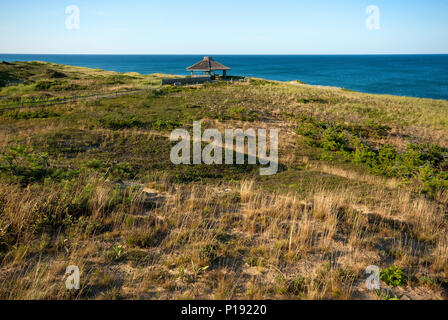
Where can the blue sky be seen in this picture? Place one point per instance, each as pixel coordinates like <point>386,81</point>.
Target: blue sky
<point>224,27</point>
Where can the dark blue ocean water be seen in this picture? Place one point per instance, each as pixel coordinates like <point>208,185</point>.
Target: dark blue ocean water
<point>424,76</point>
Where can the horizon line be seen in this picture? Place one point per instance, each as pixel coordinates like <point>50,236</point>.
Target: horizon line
<point>229,54</point>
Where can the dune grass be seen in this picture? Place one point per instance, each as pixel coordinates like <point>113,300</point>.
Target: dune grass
<point>362,181</point>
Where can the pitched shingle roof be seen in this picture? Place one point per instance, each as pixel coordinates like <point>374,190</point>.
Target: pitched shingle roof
<point>208,64</point>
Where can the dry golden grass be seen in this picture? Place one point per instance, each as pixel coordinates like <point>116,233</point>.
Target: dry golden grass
<point>307,233</point>
<point>253,244</point>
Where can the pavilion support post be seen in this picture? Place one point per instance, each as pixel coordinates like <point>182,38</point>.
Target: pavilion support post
<point>224,74</point>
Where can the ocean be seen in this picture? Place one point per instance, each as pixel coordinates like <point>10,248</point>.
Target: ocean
<point>424,76</point>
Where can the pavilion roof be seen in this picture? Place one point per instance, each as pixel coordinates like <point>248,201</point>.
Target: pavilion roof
<point>207,64</point>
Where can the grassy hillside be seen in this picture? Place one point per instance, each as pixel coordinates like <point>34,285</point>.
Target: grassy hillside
<point>362,181</point>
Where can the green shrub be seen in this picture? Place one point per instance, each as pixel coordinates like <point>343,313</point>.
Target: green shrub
<point>94,164</point>
<point>55,74</point>
<point>160,124</point>
<point>393,276</point>
<point>385,161</point>
<point>432,181</point>
<point>311,100</point>
<point>418,155</point>
<point>362,153</point>
<point>44,85</point>
<point>308,129</point>
<point>58,85</point>
<point>4,78</point>
<point>426,162</point>
<point>24,164</point>
<point>381,162</point>
<point>120,120</point>
<point>123,170</point>
<point>40,114</point>
<point>334,140</point>
<point>434,154</point>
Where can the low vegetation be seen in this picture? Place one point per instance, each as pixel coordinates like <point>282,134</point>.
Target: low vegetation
<point>362,181</point>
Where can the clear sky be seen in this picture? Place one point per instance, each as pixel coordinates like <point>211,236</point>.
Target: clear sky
<point>224,27</point>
